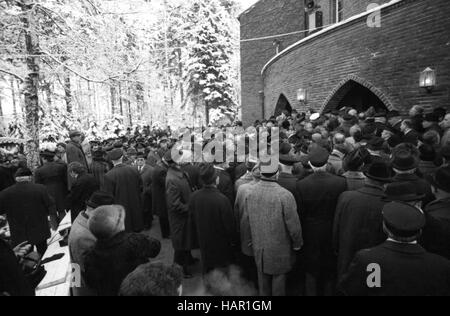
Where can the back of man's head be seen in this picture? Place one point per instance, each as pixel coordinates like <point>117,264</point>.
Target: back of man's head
<point>107,221</point>
<point>153,279</point>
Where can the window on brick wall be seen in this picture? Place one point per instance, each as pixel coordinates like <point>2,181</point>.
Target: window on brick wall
<point>315,21</point>
<point>337,10</point>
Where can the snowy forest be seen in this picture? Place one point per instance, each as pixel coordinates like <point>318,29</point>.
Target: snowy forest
<point>87,64</point>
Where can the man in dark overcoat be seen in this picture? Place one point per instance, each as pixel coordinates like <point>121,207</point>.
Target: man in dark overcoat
<point>146,173</point>
<point>159,204</point>
<point>436,234</point>
<point>54,176</point>
<point>178,192</point>
<point>213,216</point>
<point>27,207</point>
<point>358,222</point>
<point>399,266</point>
<point>84,185</point>
<point>124,183</point>
<point>75,153</point>
<point>318,196</point>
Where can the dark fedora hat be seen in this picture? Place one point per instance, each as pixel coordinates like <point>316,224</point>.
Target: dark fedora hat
<point>402,192</point>
<point>405,158</point>
<point>100,198</point>
<point>441,179</point>
<point>379,171</point>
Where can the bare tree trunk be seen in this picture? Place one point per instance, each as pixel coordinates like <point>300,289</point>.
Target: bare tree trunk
<point>68,92</point>
<point>130,116</point>
<point>140,99</point>
<point>13,97</point>
<point>1,108</point>
<point>113,99</point>
<point>30,87</point>
<point>207,112</point>
<point>120,99</point>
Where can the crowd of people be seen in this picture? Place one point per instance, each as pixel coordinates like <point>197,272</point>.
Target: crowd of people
<point>357,196</point>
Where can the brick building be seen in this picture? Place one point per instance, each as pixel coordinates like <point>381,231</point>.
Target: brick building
<point>343,53</point>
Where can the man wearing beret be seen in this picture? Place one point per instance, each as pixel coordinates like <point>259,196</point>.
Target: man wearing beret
<point>74,152</point>
<point>436,235</point>
<point>399,266</point>
<point>124,183</point>
<point>318,197</point>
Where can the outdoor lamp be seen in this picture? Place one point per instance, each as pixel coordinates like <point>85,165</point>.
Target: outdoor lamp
<point>302,95</point>
<point>428,79</point>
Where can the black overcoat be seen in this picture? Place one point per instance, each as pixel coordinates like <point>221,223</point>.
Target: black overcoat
<point>125,183</point>
<point>54,176</point>
<point>214,221</point>
<point>27,207</point>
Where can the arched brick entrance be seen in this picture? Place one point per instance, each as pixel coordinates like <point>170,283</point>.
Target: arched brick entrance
<point>282,105</point>
<point>350,84</point>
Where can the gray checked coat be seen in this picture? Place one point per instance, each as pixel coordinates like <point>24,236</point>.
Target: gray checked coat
<point>275,227</point>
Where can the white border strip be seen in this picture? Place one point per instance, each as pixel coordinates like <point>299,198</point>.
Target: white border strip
<point>332,27</point>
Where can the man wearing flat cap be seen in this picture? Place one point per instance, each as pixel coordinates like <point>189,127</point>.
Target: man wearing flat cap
<point>436,235</point>
<point>358,222</point>
<point>318,196</point>
<point>75,153</point>
<point>399,266</point>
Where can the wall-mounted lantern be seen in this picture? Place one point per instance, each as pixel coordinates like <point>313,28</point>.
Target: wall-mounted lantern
<point>302,95</point>
<point>428,79</point>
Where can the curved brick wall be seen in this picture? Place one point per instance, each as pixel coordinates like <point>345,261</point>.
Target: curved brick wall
<point>414,34</point>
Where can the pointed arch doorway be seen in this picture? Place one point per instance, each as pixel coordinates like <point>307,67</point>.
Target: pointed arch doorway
<point>358,94</point>
<point>282,105</point>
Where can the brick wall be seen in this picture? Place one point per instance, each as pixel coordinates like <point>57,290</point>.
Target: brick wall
<point>352,7</point>
<point>266,18</point>
<point>388,60</point>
